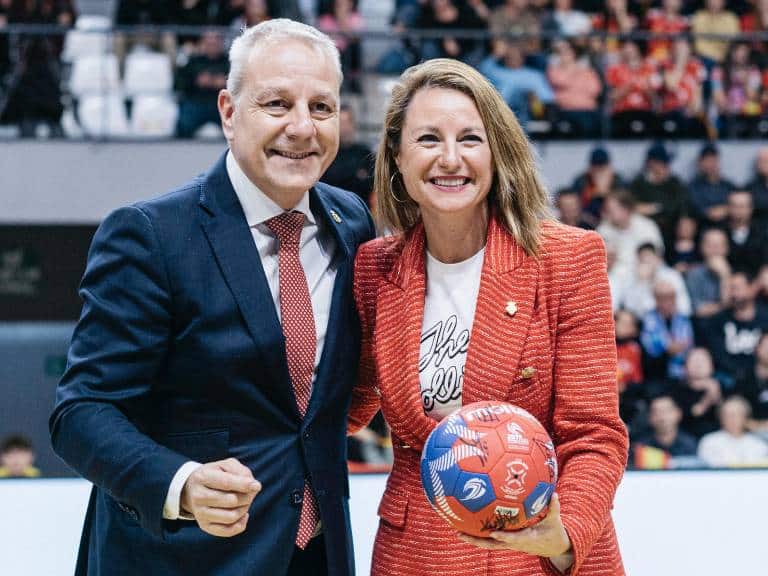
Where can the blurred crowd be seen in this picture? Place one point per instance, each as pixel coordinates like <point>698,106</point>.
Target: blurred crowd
<point>688,273</point>
<point>569,68</point>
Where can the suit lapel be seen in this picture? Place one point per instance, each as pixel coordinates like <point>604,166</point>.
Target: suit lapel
<point>226,229</point>
<point>323,207</point>
<point>498,336</point>
<point>400,314</point>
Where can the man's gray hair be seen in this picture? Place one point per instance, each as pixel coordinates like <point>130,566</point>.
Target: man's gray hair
<point>278,29</point>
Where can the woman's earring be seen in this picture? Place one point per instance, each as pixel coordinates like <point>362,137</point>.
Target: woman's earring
<point>392,188</point>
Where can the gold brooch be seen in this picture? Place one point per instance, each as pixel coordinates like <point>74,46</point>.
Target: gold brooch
<point>528,372</point>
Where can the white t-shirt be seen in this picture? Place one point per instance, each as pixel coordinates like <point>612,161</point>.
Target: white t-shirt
<point>449,309</point>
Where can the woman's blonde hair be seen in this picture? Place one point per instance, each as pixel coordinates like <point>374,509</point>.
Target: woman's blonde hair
<point>517,193</point>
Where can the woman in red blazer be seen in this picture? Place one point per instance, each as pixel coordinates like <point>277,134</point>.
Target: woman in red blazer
<point>480,295</point>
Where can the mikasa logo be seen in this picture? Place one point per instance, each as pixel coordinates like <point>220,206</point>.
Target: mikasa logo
<point>475,487</point>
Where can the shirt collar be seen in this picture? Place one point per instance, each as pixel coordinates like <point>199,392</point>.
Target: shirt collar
<point>257,206</point>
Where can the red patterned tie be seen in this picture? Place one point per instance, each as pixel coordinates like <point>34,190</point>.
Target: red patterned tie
<point>300,337</point>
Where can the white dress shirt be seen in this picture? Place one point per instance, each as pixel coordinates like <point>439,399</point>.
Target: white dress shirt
<point>317,248</point>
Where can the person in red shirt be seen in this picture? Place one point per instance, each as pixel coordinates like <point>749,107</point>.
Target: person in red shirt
<point>632,84</point>
<point>680,93</point>
<point>665,21</point>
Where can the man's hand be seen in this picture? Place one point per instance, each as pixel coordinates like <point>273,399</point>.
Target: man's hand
<point>218,495</point>
<point>548,538</point>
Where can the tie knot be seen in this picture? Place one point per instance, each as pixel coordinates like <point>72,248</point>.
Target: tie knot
<point>287,227</point>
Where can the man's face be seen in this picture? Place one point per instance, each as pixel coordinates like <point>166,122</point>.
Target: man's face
<point>664,415</point>
<point>741,290</point>
<point>714,244</point>
<point>740,208</point>
<point>284,128</point>
<point>616,213</point>
<point>17,460</point>
<point>570,208</point>
<point>733,418</point>
<point>710,165</point>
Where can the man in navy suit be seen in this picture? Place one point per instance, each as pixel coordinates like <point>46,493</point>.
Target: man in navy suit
<point>181,401</point>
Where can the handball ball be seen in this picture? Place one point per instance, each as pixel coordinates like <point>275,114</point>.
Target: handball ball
<point>489,466</point>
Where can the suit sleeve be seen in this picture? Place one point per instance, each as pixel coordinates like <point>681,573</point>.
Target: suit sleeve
<point>365,396</point>
<point>117,350</point>
<point>590,438</point>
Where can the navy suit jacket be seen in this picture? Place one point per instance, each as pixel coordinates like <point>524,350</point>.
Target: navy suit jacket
<point>179,355</point>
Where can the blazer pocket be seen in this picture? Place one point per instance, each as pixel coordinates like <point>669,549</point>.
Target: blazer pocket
<point>202,446</point>
<point>394,507</point>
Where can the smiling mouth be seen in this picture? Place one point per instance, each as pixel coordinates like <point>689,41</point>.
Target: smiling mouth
<point>291,155</point>
<point>450,182</point>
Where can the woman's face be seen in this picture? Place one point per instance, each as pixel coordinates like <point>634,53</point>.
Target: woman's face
<point>444,156</point>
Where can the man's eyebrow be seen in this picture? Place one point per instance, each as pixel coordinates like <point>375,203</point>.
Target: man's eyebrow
<point>270,91</point>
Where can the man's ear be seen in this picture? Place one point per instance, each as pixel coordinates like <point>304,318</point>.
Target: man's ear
<point>226,104</point>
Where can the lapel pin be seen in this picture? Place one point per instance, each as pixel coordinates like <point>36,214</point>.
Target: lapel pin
<point>511,308</point>
<point>528,372</point>
<point>336,217</point>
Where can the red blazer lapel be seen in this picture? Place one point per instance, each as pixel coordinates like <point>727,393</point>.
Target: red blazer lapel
<point>503,315</point>
<point>399,317</point>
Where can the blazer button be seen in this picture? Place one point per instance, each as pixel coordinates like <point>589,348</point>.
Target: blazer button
<point>297,497</point>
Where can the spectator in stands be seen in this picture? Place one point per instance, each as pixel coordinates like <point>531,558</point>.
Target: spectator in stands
<point>406,15</point>
<point>523,88</point>
<point>681,105</point>
<point>569,209</point>
<point>713,19</point>
<point>708,282</point>
<point>755,389</point>
<point>448,16</point>
<point>632,83</point>
<point>708,190</point>
<point>17,458</point>
<point>32,87</point>
<point>659,193</point>
<point>664,417</point>
<point>650,267</point>
<point>666,336</point>
<point>699,394</point>
<point>199,83</point>
<point>736,91</point>
<point>567,21</point>
<point>747,238</point>
<point>733,444</point>
<point>144,13</point>
<point>625,230</point>
<point>682,254</point>
<point>629,363</point>
<point>341,20</point>
<point>666,20</point>
<point>732,335</point>
<point>577,89</point>
<point>516,18</point>
<point>191,13</point>
<point>353,167</point>
<point>253,12</point>
<point>596,182</point>
<point>758,186</point>
<point>615,20</point>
